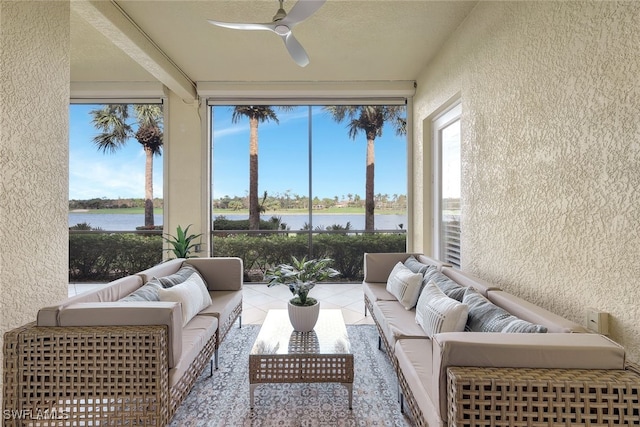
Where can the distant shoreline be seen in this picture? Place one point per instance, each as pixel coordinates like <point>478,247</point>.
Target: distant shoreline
<point>224,212</point>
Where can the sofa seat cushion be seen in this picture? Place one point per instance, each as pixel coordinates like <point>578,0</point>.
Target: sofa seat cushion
<point>222,305</point>
<point>396,322</point>
<point>195,335</point>
<point>414,360</point>
<point>377,291</point>
<point>405,285</point>
<point>484,316</point>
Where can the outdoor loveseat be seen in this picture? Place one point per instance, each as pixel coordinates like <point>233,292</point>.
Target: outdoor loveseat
<point>117,355</point>
<point>481,368</point>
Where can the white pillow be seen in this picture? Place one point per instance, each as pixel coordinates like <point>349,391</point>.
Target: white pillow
<point>404,285</point>
<point>436,312</point>
<point>192,294</point>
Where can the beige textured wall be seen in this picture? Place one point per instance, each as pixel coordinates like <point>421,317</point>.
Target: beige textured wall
<point>34,141</point>
<point>185,171</point>
<point>551,152</point>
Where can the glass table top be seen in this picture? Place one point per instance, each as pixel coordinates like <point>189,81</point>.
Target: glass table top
<point>278,337</point>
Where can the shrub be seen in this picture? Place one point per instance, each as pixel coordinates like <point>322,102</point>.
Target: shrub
<point>259,253</point>
<point>105,257</point>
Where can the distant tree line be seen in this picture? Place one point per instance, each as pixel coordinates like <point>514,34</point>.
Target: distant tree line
<point>294,201</point>
<point>103,203</point>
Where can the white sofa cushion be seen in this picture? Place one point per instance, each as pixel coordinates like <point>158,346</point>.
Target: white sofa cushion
<point>436,312</point>
<point>192,294</point>
<point>404,285</point>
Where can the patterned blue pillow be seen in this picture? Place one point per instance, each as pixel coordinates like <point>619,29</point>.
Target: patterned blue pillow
<point>415,266</point>
<point>146,292</point>
<point>446,285</point>
<point>178,277</point>
<point>484,316</point>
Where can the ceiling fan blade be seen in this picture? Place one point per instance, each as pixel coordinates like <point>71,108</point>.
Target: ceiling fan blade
<point>242,26</point>
<point>296,50</point>
<point>301,11</point>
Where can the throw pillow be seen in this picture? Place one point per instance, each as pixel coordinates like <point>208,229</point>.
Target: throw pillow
<point>146,292</point>
<point>404,285</point>
<point>192,294</point>
<point>415,266</point>
<point>446,285</point>
<point>178,277</point>
<point>484,316</point>
<point>436,312</point>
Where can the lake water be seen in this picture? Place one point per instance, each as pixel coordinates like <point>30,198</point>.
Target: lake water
<point>129,222</point>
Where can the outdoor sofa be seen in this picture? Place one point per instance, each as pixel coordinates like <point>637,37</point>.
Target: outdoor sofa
<point>560,375</point>
<point>112,357</point>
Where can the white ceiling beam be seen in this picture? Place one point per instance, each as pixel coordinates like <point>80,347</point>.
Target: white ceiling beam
<point>111,21</point>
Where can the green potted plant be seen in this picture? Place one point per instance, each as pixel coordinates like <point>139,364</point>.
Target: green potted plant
<point>181,243</point>
<point>301,276</point>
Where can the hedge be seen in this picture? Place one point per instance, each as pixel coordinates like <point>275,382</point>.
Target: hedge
<point>347,250</point>
<point>105,257</point>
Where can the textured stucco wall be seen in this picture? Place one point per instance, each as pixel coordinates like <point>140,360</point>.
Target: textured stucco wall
<point>34,141</point>
<point>551,152</point>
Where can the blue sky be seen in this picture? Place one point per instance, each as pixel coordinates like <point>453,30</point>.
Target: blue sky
<point>338,168</point>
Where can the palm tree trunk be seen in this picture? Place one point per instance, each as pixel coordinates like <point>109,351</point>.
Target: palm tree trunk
<point>254,207</point>
<point>369,204</point>
<point>148,189</point>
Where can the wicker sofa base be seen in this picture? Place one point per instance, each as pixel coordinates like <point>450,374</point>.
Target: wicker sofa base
<point>536,397</point>
<point>106,375</point>
<point>57,376</point>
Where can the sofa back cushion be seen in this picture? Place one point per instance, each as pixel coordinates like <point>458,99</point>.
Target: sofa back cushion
<point>219,273</point>
<point>533,313</point>
<point>161,270</point>
<point>48,316</point>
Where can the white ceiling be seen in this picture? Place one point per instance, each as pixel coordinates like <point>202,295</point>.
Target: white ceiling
<point>346,40</point>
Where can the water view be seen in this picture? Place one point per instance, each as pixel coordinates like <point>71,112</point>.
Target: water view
<point>128,222</point>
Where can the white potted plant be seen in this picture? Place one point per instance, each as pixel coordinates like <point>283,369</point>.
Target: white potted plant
<point>301,276</point>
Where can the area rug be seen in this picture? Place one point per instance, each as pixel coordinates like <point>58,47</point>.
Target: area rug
<point>223,400</point>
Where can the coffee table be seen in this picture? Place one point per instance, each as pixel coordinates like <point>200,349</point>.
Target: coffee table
<point>281,355</point>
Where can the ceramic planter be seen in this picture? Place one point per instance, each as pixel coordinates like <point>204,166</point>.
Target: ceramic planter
<point>304,318</point>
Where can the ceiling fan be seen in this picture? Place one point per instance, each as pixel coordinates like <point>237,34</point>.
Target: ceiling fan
<point>282,24</point>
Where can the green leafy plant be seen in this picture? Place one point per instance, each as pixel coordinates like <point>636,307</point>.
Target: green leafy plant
<point>181,243</point>
<point>301,276</point>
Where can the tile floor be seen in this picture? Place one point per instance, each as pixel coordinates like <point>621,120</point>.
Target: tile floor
<point>258,299</point>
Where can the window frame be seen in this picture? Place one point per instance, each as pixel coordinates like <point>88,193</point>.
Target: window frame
<point>452,114</point>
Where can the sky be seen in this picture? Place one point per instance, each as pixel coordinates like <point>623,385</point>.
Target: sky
<point>338,166</point>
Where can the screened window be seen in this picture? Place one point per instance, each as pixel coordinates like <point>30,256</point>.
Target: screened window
<point>306,176</point>
<point>448,211</point>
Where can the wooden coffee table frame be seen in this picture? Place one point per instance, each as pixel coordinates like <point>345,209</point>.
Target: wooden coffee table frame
<point>303,363</point>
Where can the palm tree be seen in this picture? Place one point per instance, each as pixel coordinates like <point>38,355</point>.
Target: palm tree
<point>256,114</point>
<point>113,121</point>
<point>369,119</point>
